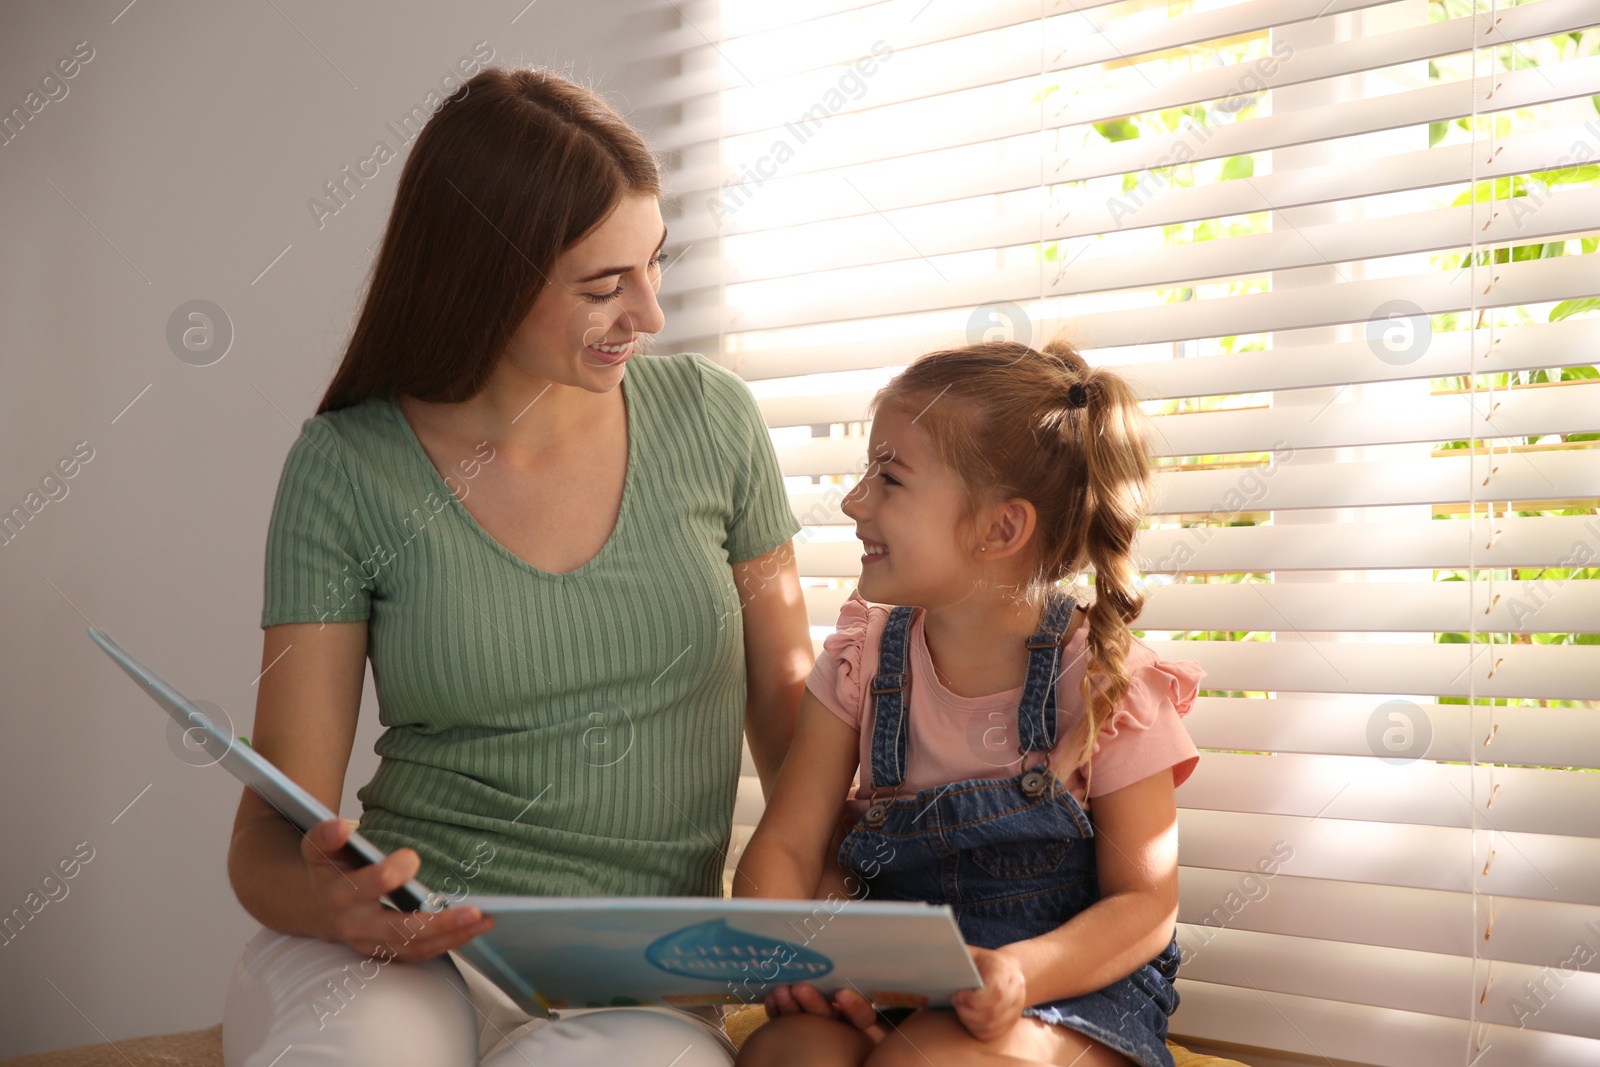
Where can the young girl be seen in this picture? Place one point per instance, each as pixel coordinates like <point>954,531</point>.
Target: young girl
<point>985,713</point>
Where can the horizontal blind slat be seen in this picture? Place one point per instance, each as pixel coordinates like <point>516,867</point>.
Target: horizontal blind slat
<point>1284,67</point>
<point>1368,52</point>
<point>1005,111</point>
<point>822,205</point>
<point>1530,412</point>
<point>1519,541</point>
<point>1057,42</point>
<point>1516,476</point>
<point>838,293</point>
<point>1529,866</point>
<point>1533,346</point>
<point>853,237</point>
<point>1508,413</point>
<point>1394,978</point>
<point>1323,1030</point>
<point>1275,899</point>
<point>1535,672</point>
<point>1524,282</point>
<point>1530,800</point>
<point>1560,737</point>
<point>1542,541</point>
<point>1522,607</point>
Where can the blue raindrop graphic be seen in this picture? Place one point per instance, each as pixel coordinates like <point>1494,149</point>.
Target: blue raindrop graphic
<point>716,952</point>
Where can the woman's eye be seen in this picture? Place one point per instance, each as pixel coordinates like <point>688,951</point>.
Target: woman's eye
<point>602,298</point>
<point>889,479</point>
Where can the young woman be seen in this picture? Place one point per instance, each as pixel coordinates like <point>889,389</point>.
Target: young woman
<point>1018,754</point>
<point>570,567</point>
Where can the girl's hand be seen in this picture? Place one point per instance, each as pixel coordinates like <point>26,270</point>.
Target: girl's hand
<point>992,1011</point>
<point>846,1005</point>
<point>349,898</point>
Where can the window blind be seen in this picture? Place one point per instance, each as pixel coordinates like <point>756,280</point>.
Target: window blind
<point>1347,253</point>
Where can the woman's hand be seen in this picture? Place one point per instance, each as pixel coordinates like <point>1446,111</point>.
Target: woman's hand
<point>846,1005</point>
<point>348,895</point>
<point>992,1011</point>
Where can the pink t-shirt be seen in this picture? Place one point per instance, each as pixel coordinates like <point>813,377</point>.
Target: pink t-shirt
<point>955,737</point>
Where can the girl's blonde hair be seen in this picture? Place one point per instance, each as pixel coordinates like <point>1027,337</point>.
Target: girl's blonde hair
<point>1012,421</point>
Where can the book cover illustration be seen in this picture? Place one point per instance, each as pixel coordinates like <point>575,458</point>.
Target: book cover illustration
<point>579,952</point>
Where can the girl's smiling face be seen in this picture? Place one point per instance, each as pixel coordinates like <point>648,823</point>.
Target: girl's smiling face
<point>908,509</point>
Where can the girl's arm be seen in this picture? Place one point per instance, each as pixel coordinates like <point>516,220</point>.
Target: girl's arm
<point>1136,850</point>
<point>785,856</point>
<point>777,654</point>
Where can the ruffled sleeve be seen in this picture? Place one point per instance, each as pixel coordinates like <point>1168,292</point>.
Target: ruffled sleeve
<point>1146,733</point>
<point>838,678</point>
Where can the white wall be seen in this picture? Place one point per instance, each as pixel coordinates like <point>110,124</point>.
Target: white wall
<point>178,166</point>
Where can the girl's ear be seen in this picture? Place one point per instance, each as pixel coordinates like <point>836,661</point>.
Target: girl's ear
<point>1011,524</point>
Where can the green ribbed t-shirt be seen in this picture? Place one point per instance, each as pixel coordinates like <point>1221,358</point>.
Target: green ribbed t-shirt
<point>545,734</point>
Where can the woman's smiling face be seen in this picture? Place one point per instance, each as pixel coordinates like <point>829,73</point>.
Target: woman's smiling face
<point>600,300</point>
<point>907,509</point>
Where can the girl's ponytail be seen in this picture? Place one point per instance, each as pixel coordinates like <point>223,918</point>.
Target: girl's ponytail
<point>1111,437</point>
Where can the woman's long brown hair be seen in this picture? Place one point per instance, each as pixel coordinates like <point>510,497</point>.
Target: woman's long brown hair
<point>515,168</point>
<point>1005,418</point>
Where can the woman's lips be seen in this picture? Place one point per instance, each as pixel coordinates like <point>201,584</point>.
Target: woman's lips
<point>621,352</point>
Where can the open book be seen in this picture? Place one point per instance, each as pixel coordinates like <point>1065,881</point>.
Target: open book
<point>552,952</point>
<point>581,952</point>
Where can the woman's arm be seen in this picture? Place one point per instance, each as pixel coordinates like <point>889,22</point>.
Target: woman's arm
<point>785,856</point>
<point>777,654</point>
<point>307,702</point>
<point>1136,851</point>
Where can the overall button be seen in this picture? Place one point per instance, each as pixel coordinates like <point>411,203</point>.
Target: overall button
<point>877,815</point>
<point>1033,783</point>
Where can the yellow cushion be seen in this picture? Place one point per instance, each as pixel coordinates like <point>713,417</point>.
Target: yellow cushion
<point>193,1048</point>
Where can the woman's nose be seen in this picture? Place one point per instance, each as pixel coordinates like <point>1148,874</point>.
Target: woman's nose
<point>643,314</point>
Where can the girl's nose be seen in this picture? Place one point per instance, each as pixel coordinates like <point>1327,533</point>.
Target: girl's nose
<point>854,499</point>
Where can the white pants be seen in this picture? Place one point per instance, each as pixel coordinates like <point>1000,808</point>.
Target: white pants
<point>302,1001</point>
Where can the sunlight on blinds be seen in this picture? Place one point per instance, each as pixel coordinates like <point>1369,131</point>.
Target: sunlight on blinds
<point>1348,253</point>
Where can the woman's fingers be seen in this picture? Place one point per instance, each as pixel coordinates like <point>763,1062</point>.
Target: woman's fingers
<point>416,935</point>
<point>444,932</point>
<point>351,895</point>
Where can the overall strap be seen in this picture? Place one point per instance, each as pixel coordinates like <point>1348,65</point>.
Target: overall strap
<point>1036,714</point>
<point>889,701</point>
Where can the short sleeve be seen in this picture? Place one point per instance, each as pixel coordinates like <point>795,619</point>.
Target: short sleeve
<point>760,517</point>
<point>314,565</point>
<point>836,679</point>
<point>1146,733</point>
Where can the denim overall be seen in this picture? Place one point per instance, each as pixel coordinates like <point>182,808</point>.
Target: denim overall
<point>1013,857</point>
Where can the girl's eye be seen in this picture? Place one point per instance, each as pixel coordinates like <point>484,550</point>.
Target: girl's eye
<point>889,478</point>
<point>603,298</point>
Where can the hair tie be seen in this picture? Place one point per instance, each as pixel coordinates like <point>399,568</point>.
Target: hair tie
<point>1077,395</point>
